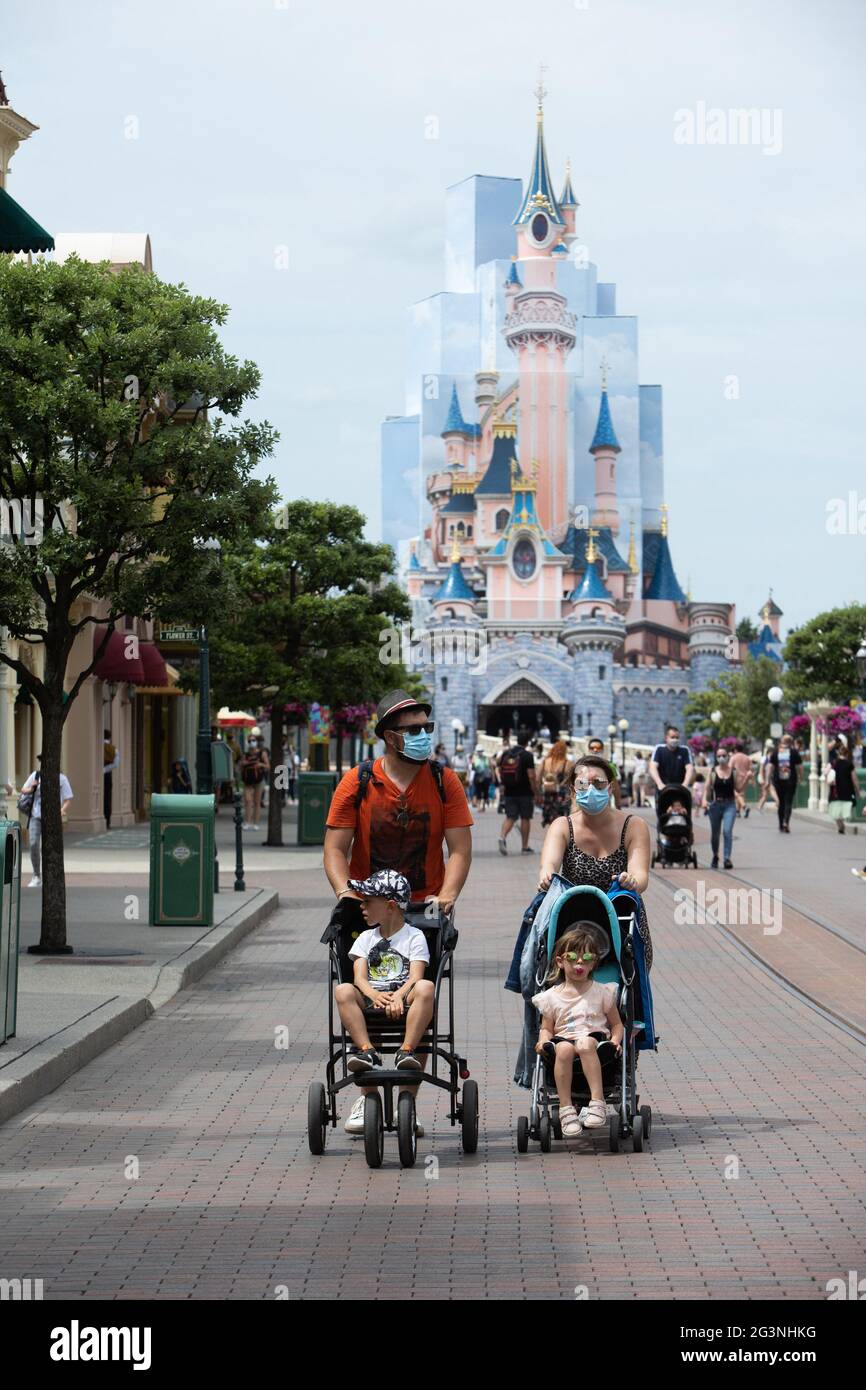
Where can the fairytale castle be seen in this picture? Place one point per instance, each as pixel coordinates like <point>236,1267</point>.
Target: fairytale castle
<point>524,490</point>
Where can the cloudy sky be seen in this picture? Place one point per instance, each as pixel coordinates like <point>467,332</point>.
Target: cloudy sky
<point>290,133</point>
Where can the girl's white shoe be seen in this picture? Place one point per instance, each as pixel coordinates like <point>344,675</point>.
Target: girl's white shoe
<point>571,1126</point>
<point>594,1115</point>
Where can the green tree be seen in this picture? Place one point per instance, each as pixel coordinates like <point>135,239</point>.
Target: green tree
<point>312,605</point>
<point>821,656</point>
<point>741,698</point>
<point>746,630</point>
<point>96,370</point>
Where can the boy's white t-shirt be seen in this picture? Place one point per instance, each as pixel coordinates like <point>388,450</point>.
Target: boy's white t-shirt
<point>389,968</point>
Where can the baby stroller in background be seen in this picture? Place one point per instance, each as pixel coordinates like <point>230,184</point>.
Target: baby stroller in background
<point>437,1043</point>
<point>674,835</point>
<point>615,914</point>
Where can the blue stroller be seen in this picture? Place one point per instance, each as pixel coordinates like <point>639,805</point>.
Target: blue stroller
<point>616,915</point>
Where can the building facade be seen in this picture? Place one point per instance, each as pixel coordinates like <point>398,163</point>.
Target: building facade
<point>523,488</point>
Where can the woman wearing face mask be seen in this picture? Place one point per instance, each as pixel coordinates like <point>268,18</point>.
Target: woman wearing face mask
<point>722,806</point>
<point>598,843</point>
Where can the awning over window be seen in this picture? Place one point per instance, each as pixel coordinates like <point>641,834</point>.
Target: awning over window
<point>18,230</point>
<point>155,669</point>
<point>116,663</point>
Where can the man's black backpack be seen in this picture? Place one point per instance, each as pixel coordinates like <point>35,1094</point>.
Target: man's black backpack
<point>509,767</point>
<point>365,772</point>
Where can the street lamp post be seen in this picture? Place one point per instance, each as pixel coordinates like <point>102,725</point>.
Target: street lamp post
<point>861,667</point>
<point>716,717</point>
<point>611,729</point>
<point>774,695</point>
<point>623,728</point>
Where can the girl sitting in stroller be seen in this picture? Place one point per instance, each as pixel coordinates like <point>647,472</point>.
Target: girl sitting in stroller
<point>579,1021</point>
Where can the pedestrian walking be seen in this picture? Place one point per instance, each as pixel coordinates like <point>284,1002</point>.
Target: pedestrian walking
<point>394,813</point>
<point>481,778</point>
<point>255,765</point>
<point>765,777</point>
<point>520,784</point>
<point>672,764</point>
<point>785,771</point>
<point>595,747</point>
<point>844,786</point>
<point>640,778</point>
<point>30,803</point>
<point>110,760</point>
<point>598,843</point>
<point>721,806</point>
<point>744,775</point>
<point>181,782</point>
<point>555,793</point>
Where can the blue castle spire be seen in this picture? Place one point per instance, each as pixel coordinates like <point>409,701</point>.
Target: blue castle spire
<point>664,583</point>
<point>513,278</point>
<point>454,588</point>
<point>566,197</point>
<point>539,195</point>
<point>592,586</point>
<point>605,435</point>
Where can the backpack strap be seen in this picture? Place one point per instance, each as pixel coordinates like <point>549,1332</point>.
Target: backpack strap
<point>438,777</point>
<point>624,829</point>
<point>365,773</point>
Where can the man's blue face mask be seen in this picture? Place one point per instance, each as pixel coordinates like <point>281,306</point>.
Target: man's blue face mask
<point>417,747</point>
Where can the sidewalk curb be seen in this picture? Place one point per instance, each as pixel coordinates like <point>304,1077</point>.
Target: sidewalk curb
<point>195,962</point>
<point>51,1062</point>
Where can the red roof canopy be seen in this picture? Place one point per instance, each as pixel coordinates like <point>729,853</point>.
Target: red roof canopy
<point>116,663</point>
<point>155,672</point>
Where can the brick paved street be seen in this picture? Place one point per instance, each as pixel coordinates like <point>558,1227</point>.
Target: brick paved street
<point>229,1203</point>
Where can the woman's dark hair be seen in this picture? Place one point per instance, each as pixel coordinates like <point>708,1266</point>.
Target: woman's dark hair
<point>590,760</point>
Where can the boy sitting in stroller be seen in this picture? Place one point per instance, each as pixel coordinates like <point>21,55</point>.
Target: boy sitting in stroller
<point>579,1020</point>
<point>389,964</point>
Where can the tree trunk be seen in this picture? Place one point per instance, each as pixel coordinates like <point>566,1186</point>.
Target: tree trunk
<point>339,751</point>
<point>275,805</point>
<point>53,930</point>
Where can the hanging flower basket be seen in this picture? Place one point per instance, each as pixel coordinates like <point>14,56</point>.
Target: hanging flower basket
<point>352,719</point>
<point>842,720</point>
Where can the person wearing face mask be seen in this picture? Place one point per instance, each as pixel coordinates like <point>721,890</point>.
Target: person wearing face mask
<point>598,843</point>
<point>722,806</point>
<point>395,812</point>
<point>784,769</point>
<point>672,764</point>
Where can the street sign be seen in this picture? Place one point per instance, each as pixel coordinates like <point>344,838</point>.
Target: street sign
<point>180,634</point>
<point>775,731</point>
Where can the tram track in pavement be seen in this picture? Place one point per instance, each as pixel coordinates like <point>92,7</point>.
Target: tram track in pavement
<point>830,1015</point>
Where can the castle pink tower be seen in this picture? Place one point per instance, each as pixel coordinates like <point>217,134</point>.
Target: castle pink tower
<point>540,330</point>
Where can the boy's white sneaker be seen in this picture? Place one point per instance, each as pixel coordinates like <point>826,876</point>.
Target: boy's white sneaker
<point>355,1118</point>
<point>35,883</point>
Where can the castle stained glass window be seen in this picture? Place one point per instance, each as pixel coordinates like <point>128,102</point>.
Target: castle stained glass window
<point>523,559</point>
<point>539,226</point>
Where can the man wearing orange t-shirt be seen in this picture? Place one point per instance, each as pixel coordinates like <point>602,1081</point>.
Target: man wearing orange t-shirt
<point>404,814</point>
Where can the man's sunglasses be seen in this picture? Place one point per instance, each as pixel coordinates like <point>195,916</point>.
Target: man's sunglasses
<point>416,728</point>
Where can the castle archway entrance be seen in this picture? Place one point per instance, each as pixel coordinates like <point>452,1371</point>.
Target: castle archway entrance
<point>523,704</point>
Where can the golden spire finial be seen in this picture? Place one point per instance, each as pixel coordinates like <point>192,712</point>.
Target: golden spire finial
<point>455,551</point>
<point>632,552</point>
<point>664,512</point>
<point>591,552</point>
<point>540,89</point>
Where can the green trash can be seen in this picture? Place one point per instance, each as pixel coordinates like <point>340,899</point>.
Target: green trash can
<point>315,790</point>
<point>10,921</point>
<point>181,861</point>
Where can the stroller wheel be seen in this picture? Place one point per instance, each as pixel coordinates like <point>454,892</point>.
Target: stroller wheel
<point>317,1118</point>
<point>374,1130</point>
<point>556,1126</point>
<point>637,1133</point>
<point>407,1142</point>
<point>469,1117</point>
<point>522,1135</point>
<point>544,1134</point>
<point>647,1117</point>
<point>614,1135</point>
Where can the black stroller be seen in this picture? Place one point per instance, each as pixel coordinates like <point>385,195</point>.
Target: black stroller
<point>615,915</point>
<point>437,1043</point>
<point>674,835</point>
